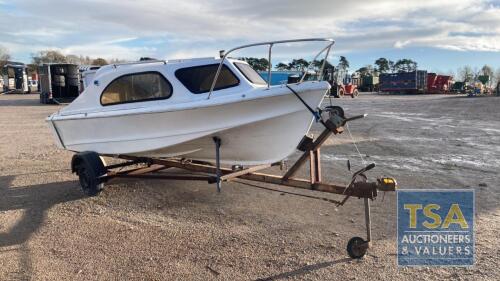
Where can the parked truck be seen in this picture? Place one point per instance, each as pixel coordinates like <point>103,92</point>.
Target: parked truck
<point>15,79</point>
<point>59,82</point>
<point>404,82</point>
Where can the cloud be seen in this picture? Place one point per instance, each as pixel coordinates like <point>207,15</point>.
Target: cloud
<point>401,44</point>
<point>173,29</point>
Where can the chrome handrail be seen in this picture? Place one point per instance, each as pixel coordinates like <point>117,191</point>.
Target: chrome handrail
<point>271,44</point>
<point>138,62</point>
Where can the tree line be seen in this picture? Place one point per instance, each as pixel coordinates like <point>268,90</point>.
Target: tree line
<point>381,65</point>
<point>262,64</point>
<point>4,56</point>
<point>54,56</point>
<point>468,74</point>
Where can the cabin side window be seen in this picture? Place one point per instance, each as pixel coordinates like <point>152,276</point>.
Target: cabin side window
<point>199,79</point>
<point>250,73</point>
<point>137,87</point>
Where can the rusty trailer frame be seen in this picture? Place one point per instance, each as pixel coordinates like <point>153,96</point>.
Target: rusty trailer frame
<point>150,168</point>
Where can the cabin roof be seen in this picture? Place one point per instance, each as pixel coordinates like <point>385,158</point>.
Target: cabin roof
<point>174,62</point>
<point>58,63</point>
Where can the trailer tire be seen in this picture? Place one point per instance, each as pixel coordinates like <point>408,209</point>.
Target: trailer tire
<point>356,247</point>
<point>89,167</point>
<point>88,181</point>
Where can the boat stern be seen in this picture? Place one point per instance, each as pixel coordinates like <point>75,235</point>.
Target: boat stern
<point>55,132</point>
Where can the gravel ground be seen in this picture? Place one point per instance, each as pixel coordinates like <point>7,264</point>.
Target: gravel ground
<point>166,230</point>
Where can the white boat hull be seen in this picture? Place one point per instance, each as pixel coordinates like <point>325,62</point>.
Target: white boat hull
<point>253,131</point>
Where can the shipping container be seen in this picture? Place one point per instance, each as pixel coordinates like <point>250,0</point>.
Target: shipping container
<point>404,82</point>
<point>369,83</point>
<point>439,84</point>
<point>431,82</point>
<point>281,77</point>
<point>444,83</point>
<point>59,82</point>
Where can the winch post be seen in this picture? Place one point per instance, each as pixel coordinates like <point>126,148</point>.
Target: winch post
<point>315,165</point>
<point>218,172</point>
<point>368,221</point>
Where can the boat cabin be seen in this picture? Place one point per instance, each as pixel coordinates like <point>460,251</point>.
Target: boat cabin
<point>148,83</point>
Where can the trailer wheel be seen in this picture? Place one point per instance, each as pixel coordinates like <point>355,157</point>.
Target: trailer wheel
<point>89,167</point>
<point>357,247</point>
<point>88,181</point>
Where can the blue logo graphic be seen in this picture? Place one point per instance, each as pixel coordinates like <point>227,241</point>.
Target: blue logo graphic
<point>435,227</point>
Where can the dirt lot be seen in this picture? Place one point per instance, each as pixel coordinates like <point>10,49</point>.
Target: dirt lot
<point>165,230</point>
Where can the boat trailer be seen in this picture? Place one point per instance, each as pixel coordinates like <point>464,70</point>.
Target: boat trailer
<point>93,173</point>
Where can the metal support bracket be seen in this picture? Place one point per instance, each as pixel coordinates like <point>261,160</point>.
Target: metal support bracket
<point>368,221</point>
<point>218,172</point>
<point>315,145</point>
<point>315,166</point>
<point>236,174</point>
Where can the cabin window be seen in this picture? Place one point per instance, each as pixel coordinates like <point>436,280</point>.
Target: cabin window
<point>137,87</point>
<point>250,73</point>
<point>199,79</point>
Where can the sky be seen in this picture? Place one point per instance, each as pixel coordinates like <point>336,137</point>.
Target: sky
<point>440,35</point>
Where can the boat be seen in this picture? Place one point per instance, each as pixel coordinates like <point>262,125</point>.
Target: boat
<point>177,108</point>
